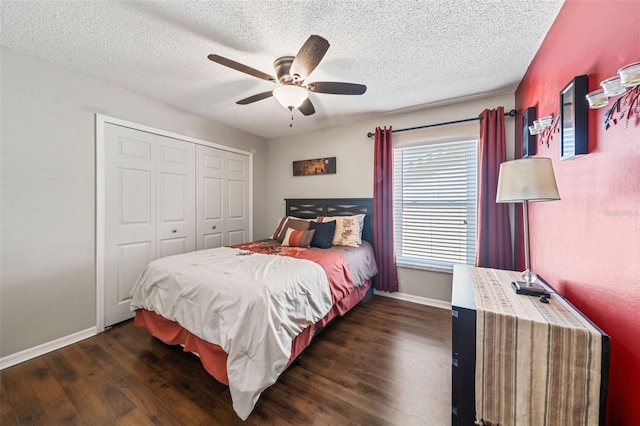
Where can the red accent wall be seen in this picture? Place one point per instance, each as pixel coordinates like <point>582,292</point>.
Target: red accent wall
<point>587,244</point>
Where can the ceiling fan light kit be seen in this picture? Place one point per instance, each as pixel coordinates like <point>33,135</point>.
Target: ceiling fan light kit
<point>291,71</point>
<point>290,97</point>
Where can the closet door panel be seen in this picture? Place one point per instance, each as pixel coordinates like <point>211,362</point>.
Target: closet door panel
<point>173,246</point>
<point>212,198</point>
<point>237,198</point>
<point>212,241</point>
<point>132,259</point>
<point>130,215</point>
<point>176,197</point>
<point>236,201</point>
<point>237,236</point>
<point>210,220</point>
<point>135,196</point>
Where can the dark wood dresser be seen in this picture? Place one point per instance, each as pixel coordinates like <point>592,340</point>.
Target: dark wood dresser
<point>465,323</point>
<point>463,358</point>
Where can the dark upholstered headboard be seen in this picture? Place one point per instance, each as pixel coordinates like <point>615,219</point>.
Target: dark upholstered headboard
<point>309,208</point>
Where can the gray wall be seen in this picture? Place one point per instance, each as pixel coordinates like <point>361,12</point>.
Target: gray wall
<point>48,285</point>
<point>354,177</point>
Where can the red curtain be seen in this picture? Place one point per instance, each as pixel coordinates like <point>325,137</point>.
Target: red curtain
<point>494,232</point>
<point>387,278</point>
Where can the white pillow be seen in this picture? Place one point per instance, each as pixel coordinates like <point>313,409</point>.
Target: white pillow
<point>348,229</point>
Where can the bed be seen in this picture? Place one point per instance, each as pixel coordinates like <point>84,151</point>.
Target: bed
<point>249,310</point>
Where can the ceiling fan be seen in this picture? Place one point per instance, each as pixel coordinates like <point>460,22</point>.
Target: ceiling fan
<point>291,71</point>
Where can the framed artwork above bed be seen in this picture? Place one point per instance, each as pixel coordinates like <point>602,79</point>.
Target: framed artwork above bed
<point>318,166</point>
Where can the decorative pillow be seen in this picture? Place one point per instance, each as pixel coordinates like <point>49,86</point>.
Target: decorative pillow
<point>324,234</point>
<point>296,238</point>
<point>279,227</point>
<point>290,222</point>
<point>348,229</point>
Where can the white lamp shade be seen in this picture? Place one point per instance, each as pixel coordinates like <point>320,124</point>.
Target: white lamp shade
<point>290,96</point>
<point>527,179</point>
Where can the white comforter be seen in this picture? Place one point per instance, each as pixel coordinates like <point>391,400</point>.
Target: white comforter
<point>252,305</point>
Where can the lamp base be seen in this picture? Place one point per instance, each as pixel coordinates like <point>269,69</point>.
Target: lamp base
<point>532,289</point>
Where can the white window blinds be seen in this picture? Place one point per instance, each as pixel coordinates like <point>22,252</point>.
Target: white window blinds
<point>435,204</point>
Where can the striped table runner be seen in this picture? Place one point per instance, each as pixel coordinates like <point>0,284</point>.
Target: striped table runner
<point>536,364</point>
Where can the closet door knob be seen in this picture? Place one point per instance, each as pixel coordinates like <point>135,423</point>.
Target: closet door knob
<point>174,230</point>
<point>213,227</point>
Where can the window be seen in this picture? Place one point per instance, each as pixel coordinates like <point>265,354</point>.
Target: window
<point>435,204</point>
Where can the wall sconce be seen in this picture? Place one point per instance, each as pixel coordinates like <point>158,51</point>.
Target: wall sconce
<point>597,99</point>
<point>535,129</point>
<point>546,121</point>
<point>612,86</point>
<point>628,77</point>
<point>540,124</point>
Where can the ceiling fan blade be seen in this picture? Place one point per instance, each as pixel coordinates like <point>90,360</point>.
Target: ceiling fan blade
<point>255,98</point>
<point>241,67</point>
<point>307,107</point>
<point>309,56</point>
<point>336,88</point>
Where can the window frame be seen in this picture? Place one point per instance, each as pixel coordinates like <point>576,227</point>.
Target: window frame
<point>404,258</point>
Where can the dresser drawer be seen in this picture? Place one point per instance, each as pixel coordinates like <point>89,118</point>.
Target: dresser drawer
<point>463,355</point>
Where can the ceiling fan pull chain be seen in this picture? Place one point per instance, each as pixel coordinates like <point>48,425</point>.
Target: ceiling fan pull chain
<point>291,124</point>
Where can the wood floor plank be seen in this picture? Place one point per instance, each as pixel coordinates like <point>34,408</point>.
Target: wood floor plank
<point>387,362</point>
<point>201,393</point>
<point>7,415</point>
<point>45,385</point>
<point>63,369</point>
<point>63,413</point>
<point>88,402</point>
<point>143,386</point>
<point>25,404</point>
<point>137,417</point>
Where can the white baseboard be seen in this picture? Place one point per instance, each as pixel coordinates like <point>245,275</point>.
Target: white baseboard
<point>415,299</point>
<point>44,348</point>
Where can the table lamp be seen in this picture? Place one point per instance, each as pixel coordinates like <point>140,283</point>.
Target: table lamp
<point>522,181</point>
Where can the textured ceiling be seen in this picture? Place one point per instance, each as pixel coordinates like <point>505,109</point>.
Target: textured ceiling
<point>409,53</point>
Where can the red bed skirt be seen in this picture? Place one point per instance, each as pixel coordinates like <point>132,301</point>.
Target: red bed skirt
<point>213,358</point>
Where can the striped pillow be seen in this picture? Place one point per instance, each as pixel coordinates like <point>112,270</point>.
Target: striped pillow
<point>296,238</point>
<point>290,222</point>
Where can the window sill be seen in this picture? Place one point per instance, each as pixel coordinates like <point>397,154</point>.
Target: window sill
<point>443,270</point>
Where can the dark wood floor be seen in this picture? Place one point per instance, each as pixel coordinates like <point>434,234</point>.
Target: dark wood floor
<point>387,362</point>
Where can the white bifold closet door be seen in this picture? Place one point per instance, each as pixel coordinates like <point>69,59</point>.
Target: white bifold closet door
<point>163,197</point>
<point>150,208</point>
<point>222,202</point>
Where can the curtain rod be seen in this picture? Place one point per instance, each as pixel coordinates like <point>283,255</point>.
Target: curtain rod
<point>511,113</point>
